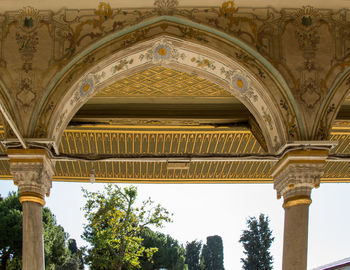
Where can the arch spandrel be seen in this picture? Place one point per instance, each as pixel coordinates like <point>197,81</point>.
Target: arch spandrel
<point>177,54</point>
<point>332,105</point>
<point>10,110</point>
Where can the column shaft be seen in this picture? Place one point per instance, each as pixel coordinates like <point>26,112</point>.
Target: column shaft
<point>295,237</point>
<point>33,244</point>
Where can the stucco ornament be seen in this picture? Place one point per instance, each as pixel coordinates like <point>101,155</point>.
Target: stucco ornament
<point>162,52</point>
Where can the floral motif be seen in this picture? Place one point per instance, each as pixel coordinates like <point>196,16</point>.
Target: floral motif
<point>99,76</point>
<point>228,8</point>
<point>239,83</point>
<point>162,51</point>
<point>203,63</point>
<point>86,87</point>
<point>29,19</point>
<point>267,118</point>
<point>121,65</point>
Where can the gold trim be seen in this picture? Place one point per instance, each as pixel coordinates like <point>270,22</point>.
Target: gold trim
<point>26,151</point>
<point>158,129</point>
<point>265,180</point>
<point>32,197</point>
<point>297,200</point>
<point>168,181</point>
<point>25,160</point>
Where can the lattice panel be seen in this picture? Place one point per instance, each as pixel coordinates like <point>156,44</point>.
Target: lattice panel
<point>163,82</point>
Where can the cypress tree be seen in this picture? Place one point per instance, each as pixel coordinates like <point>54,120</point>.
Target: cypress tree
<point>257,240</point>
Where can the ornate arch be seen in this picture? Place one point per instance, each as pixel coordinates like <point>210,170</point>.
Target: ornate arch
<point>185,56</point>
<point>266,80</point>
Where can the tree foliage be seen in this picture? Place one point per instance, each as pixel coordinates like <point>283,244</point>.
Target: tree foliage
<point>55,249</point>
<point>256,241</point>
<point>169,255</point>
<point>193,251</point>
<point>212,257</point>
<point>10,230</point>
<point>114,227</point>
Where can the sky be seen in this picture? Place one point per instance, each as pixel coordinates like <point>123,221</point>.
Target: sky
<point>201,210</point>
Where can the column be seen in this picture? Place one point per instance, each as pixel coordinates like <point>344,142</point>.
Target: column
<point>295,175</point>
<point>32,172</point>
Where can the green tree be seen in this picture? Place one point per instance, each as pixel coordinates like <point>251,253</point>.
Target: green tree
<point>193,251</point>
<point>10,230</point>
<point>55,250</point>
<point>170,255</point>
<point>257,240</point>
<point>212,257</point>
<point>55,238</point>
<point>114,227</point>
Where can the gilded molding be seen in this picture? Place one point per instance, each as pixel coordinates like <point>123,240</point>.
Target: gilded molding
<point>297,200</point>
<point>32,197</point>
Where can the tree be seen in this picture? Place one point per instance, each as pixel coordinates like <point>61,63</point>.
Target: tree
<point>193,251</point>
<point>55,250</point>
<point>212,257</point>
<point>55,238</point>
<point>169,255</point>
<point>10,230</point>
<point>256,241</point>
<point>114,227</point>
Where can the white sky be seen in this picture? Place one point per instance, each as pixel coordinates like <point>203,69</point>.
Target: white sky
<point>201,210</point>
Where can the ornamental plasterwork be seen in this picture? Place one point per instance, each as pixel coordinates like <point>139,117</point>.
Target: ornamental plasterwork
<point>169,51</point>
<point>296,41</point>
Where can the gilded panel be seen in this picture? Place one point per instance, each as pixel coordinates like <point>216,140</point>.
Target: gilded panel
<point>163,82</point>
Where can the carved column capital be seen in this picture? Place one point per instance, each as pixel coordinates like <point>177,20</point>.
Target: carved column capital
<point>297,173</point>
<point>32,172</point>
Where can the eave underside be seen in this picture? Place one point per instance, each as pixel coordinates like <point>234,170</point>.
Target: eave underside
<point>209,154</point>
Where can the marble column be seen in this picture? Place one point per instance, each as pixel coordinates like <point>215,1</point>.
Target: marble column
<point>32,172</point>
<point>295,175</point>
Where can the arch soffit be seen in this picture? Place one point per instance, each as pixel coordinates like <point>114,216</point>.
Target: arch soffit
<point>331,105</point>
<point>178,54</point>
